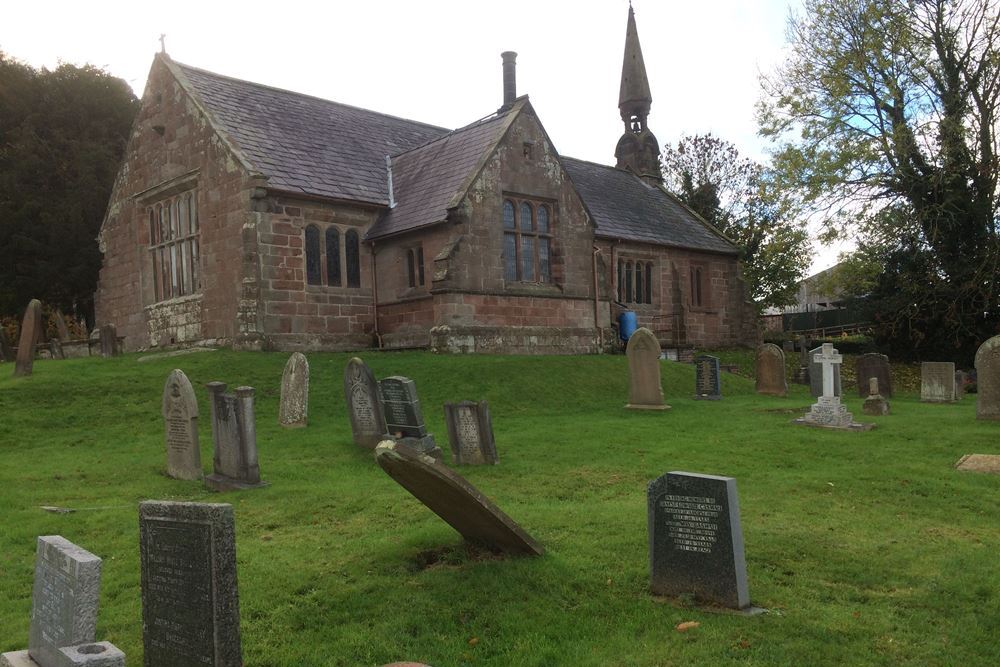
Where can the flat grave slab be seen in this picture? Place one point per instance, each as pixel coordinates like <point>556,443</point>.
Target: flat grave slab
<point>980,463</point>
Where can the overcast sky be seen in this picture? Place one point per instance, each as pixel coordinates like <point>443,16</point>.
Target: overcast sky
<point>438,61</point>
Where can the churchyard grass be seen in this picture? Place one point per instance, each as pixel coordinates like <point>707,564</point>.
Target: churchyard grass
<point>867,548</point>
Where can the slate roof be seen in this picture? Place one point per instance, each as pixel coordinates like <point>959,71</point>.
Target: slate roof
<point>306,144</point>
<point>429,179</point>
<point>624,206</point>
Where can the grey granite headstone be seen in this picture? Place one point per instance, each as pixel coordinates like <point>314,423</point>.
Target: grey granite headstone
<point>404,418</point>
<point>190,603</point>
<point>875,404</point>
<point>364,407</point>
<point>294,409</point>
<point>695,539</point>
<point>452,498</point>
<point>707,378</point>
<point>470,432</point>
<point>109,341</point>
<point>937,382</point>
<point>234,437</point>
<point>816,374</point>
<point>988,379</point>
<point>31,333</point>
<point>645,390</point>
<point>180,421</point>
<point>828,411</point>
<point>873,365</point>
<point>64,610</point>
<point>771,370</point>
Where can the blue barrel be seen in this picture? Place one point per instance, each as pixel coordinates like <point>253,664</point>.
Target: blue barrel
<point>626,324</point>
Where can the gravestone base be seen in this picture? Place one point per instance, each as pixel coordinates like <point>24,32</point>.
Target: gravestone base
<point>630,406</point>
<point>801,376</point>
<point>711,609</point>
<point>707,397</point>
<point>853,426</point>
<point>425,445</point>
<point>876,406</point>
<point>217,482</point>
<point>93,654</point>
<point>829,412</point>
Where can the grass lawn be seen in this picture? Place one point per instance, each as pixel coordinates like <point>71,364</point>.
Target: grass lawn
<point>867,548</point>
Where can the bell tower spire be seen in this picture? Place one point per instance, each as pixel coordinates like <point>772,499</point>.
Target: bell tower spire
<point>637,150</point>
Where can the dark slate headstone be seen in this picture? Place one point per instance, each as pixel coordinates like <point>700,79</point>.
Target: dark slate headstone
<point>470,432</point>
<point>364,407</point>
<point>6,353</point>
<point>31,333</point>
<point>873,365</point>
<point>988,379</point>
<point>816,375</point>
<point>234,437</point>
<point>401,407</point>
<point>452,498</point>
<point>645,391</point>
<point>771,370</point>
<point>180,420</point>
<point>190,603</point>
<point>937,382</point>
<point>695,539</point>
<point>109,341</point>
<point>707,382</point>
<point>293,412</point>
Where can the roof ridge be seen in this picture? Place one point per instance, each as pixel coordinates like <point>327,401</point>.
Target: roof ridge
<point>496,115</point>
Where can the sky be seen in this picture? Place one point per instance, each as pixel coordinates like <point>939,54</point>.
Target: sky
<point>438,61</point>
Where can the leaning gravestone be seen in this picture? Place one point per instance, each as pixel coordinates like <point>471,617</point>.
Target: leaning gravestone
<point>109,341</point>
<point>452,498</point>
<point>190,603</point>
<point>695,539</point>
<point>470,432</point>
<point>816,375</point>
<point>64,611</point>
<point>707,383</point>
<point>294,409</point>
<point>645,391</point>
<point>828,411</point>
<point>61,326</point>
<point>988,379</point>
<point>771,370</point>
<point>403,417</point>
<point>873,365</point>
<point>234,437</point>
<point>180,418</point>
<point>31,332</point>
<point>937,382</point>
<point>363,405</point>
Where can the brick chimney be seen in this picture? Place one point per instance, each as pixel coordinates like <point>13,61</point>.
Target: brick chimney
<point>509,80</point>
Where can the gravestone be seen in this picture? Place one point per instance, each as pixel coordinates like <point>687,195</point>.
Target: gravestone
<point>109,341</point>
<point>452,498</point>
<point>470,432</point>
<point>961,379</point>
<point>31,332</point>
<point>64,604</point>
<point>816,375</point>
<point>771,370</point>
<point>980,463</point>
<point>801,375</point>
<point>180,420</point>
<point>988,379</point>
<point>6,353</point>
<point>234,438</point>
<point>828,411</point>
<point>364,407</point>
<point>61,326</point>
<point>875,404</point>
<point>707,380</point>
<point>403,417</point>
<point>645,391</point>
<point>56,349</point>
<point>294,409</point>
<point>873,365</point>
<point>937,382</point>
<point>190,603</point>
<point>695,539</point>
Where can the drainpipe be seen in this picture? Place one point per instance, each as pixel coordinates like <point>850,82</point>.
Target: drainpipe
<point>597,325</point>
<point>614,282</point>
<point>378,336</point>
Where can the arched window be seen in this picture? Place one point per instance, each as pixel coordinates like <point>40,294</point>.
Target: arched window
<point>638,283</point>
<point>173,246</point>
<point>352,246</point>
<point>415,266</point>
<point>527,241</point>
<point>313,276</point>
<point>628,282</point>
<point>635,281</point>
<point>697,286</point>
<point>649,282</point>
<point>509,243</point>
<point>620,282</point>
<point>333,256</point>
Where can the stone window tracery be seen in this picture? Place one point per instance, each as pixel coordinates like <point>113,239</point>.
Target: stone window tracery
<point>635,281</point>
<point>527,241</point>
<point>323,249</point>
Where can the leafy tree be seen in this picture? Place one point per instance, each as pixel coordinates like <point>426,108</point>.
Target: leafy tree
<point>62,136</point>
<point>886,115</point>
<point>736,195</point>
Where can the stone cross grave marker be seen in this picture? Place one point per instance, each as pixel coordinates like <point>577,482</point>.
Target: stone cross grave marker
<point>364,407</point>
<point>294,409</point>
<point>695,539</point>
<point>816,377</point>
<point>875,404</point>
<point>64,604</point>
<point>470,432</point>
<point>771,370</point>
<point>452,498</point>
<point>190,603</point>
<point>180,418</point>
<point>988,379</point>
<point>828,411</point>
<point>31,333</point>
<point>234,437</point>
<point>109,341</point>
<point>937,382</point>
<point>645,391</point>
<point>403,417</point>
<point>708,382</point>
<point>873,365</point>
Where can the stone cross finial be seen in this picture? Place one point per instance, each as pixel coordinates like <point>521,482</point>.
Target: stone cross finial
<point>829,358</point>
<point>873,386</point>
<point>163,42</point>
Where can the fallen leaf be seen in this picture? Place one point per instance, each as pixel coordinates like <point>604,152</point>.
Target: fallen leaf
<point>473,641</point>
<point>687,625</point>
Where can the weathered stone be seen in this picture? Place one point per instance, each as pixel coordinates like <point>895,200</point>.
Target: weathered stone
<point>695,539</point>
<point>109,341</point>
<point>828,411</point>
<point>364,407</point>
<point>875,404</point>
<point>31,332</point>
<point>937,382</point>
<point>771,370</point>
<point>470,432</point>
<point>61,326</point>
<point>180,418</point>
<point>645,388</point>
<point>708,384</point>
<point>980,463</point>
<point>56,349</point>
<point>452,498</point>
<point>873,365</point>
<point>234,437</point>
<point>190,602</point>
<point>961,379</point>
<point>988,379</point>
<point>816,375</point>
<point>294,409</point>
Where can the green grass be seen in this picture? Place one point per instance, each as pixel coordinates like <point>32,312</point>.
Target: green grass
<point>867,548</point>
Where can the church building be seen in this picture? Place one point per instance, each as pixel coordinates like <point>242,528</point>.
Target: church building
<point>264,219</point>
